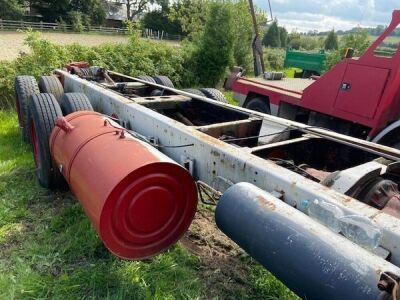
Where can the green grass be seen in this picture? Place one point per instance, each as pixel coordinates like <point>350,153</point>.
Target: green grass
<point>389,39</point>
<point>49,250</point>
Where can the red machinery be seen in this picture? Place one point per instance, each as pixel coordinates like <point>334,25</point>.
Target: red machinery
<point>359,96</point>
<point>281,187</point>
<point>138,199</point>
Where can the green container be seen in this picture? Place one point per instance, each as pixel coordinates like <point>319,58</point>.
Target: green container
<point>307,61</point>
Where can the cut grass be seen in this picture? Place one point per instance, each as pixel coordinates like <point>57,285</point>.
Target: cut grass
<point>48,248</point>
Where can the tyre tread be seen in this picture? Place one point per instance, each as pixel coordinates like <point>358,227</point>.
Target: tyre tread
<point>72,102</point>
<point>51,85</point>
<point>44,112</point>
<point>214,94</point>
<point>164,80</point>
<point>25,87</point>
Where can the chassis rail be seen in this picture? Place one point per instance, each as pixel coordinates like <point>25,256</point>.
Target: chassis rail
<point>203,149</point>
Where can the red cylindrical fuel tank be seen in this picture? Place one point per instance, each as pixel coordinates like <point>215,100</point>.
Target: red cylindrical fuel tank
<point>140,201</point>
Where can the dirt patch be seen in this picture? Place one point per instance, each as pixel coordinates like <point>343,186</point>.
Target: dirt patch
<point>12,43</point>
<point>223,269</point>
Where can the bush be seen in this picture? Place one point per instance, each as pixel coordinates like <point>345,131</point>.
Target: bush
<point>62,24</point>
<point>274,59</point>
<point>243,34</point>
<point>332,42</point>
<point>158,20</point>
<point>213,51</point>
<point>359,41</point>
<point>11,9</point>
<point>272,37</point>
<point>135,58</point>
<point>77,20</point>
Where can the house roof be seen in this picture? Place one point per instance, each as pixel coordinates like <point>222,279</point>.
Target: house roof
<point>115,11</point>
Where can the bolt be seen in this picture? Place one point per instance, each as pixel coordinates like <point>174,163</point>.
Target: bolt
<point>122,134</point>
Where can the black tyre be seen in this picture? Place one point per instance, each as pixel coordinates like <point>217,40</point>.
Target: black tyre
<point>51,85</point>
<point>195,91</point>
<point>164,80</point>
<point>214,94</point>
<point>147,78</point>
<point>258,104</point>
<point>25,87</point>
<point>44,110</point>
<point>72,102</point>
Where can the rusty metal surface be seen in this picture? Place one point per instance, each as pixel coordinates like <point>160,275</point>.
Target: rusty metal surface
<point>213,158</point>
<point>392,153</point>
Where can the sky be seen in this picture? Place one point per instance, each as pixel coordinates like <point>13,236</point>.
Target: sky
<point>323,15</point>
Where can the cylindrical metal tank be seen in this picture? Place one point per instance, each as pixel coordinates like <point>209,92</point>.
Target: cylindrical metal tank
<point>313,261</point>
<point>140,201</point>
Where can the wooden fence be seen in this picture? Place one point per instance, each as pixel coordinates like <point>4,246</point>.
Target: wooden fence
<point>60,27</point>
<point>44,26</point>
<point>160,35</point>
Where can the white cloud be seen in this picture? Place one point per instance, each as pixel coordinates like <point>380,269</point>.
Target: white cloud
<point>322,15</point>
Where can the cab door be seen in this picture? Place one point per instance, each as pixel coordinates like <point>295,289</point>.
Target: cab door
<point>361,90</point>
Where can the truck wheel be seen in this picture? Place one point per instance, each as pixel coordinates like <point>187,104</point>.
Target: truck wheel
<point>147,78</point>
<point>25,87</point>
<point>44,110</point>
<point>214,94</point>
<point>164,80</point>
<point>258,104</point>
<point>51,85</point>
<point>195,91</point>
<point>72,102</point>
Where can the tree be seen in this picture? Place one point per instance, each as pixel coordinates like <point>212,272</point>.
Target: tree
<point>53,11</point>
<point>243,31</point>
<point>136,7</point>
<point>272,36</point>
<point>11,9</point>
<point>214,50</point>
<point>91,8</point>
<point>158,20</point>
<point>331,42</point>
<point>190,14</point>
<point>164,4</point>
<point>359,41</point>
<point>283,35</point>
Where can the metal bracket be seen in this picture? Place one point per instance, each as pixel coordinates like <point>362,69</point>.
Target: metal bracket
<point>188,164</point>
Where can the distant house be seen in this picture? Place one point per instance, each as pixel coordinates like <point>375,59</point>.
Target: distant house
<point>115,13</point>
<point>30,13</point>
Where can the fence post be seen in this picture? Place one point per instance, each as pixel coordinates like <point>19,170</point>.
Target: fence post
<point>1,24</point>
<point>41,25</point>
